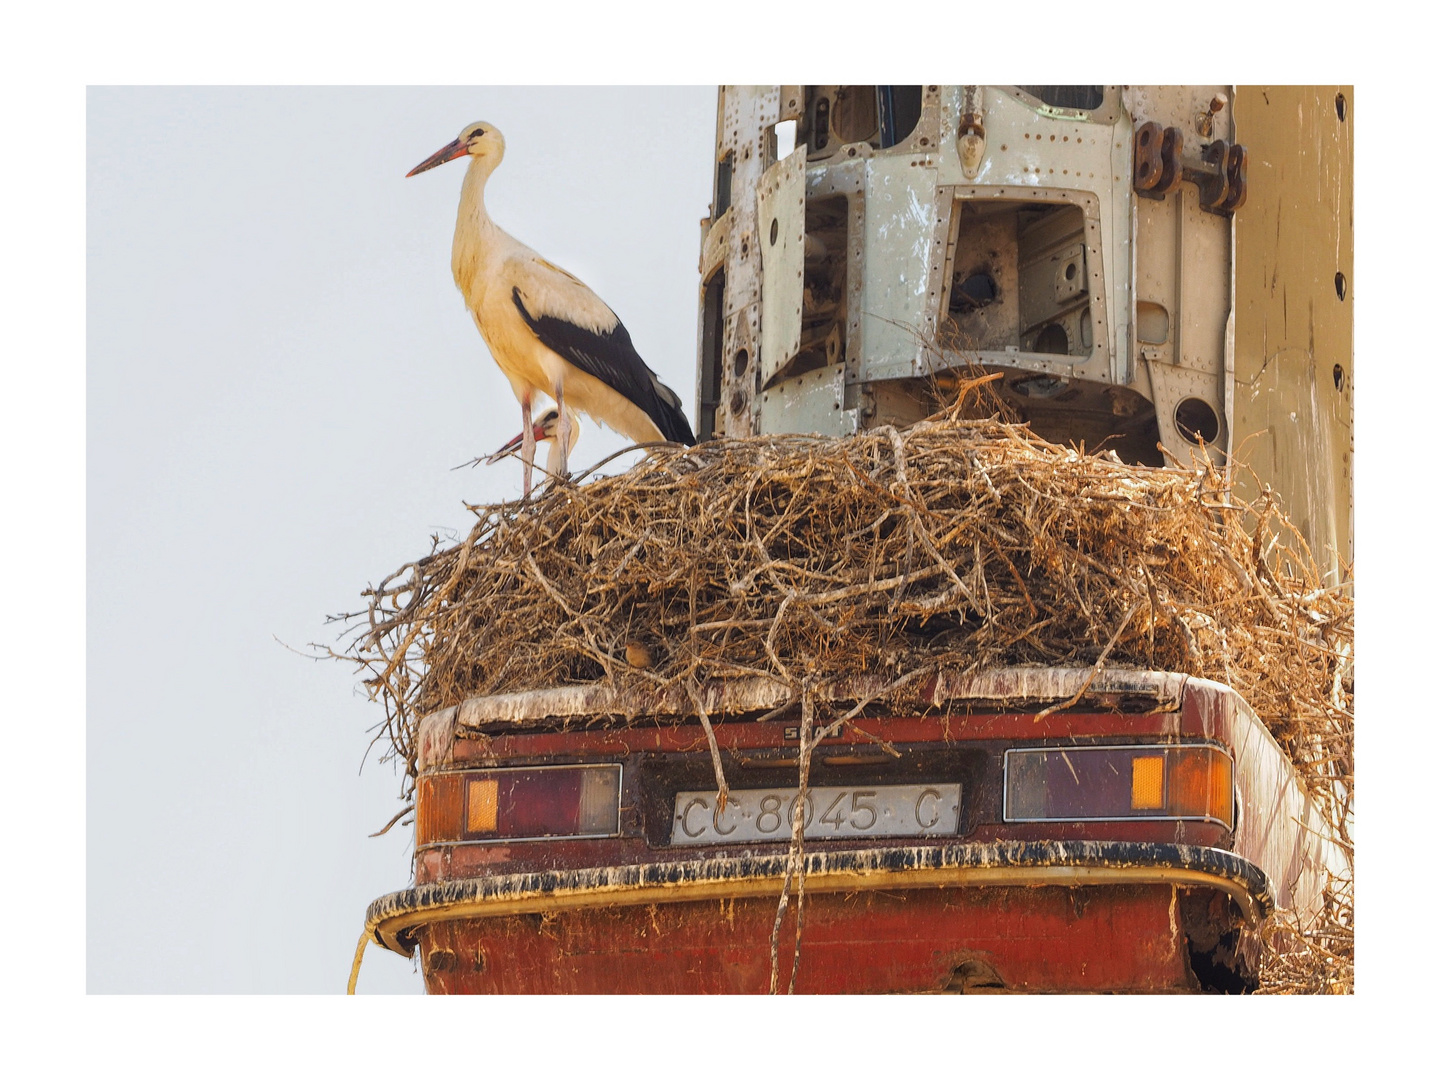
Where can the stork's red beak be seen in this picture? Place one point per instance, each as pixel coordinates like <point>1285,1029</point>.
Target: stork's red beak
<point>508,448</point>
<point>515,444</point>
<point>449,152</point>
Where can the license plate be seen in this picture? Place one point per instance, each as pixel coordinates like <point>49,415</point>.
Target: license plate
<point>831,813</point>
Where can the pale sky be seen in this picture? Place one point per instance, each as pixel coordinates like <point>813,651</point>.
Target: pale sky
<point>281,376</point>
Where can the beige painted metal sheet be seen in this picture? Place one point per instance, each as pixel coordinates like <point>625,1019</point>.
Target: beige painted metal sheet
<point>1294,330</point>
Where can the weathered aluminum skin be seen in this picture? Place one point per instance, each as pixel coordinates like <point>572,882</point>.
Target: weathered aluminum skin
<point>1186,322</point>
<point>781,202</point>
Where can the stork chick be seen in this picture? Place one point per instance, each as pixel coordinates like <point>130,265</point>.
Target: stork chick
<point>546,330</point>
<point>546,428</point>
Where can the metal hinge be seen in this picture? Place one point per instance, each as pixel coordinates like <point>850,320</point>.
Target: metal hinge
<point>1161,166</point>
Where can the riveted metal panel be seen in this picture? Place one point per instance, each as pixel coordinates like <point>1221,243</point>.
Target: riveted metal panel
<point>812,403</point>
<point>747,113</point>
<point>899,234</point>
<point>782,261</point>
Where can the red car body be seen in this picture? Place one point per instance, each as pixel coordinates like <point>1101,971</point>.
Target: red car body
<point>997,903</point>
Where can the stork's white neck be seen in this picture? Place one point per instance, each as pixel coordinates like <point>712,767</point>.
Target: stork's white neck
<point>474,231</point>
<point>472,191</point>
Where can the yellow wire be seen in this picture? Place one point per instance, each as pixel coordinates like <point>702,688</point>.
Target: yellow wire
<point>355,967</point>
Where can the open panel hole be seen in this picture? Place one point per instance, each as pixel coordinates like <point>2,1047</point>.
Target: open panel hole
<point>1152,323</point>
<point>1019,280</point>
<point>835,116</point>
<point>899,113</point>
<point>1197,421</point>
<point>825,301</point>
<point>712,336</point>
<point>724,170</point>
<point>855,114</point>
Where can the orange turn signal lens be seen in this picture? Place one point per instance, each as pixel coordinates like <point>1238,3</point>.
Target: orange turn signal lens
<point>1147,783</point>
<point>482,806</point>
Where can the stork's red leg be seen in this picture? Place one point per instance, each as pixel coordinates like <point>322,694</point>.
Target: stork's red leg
<point>527,442</point>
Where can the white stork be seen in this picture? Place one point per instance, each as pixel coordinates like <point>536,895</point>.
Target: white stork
<point>544,327</point>
<point>547,427</point>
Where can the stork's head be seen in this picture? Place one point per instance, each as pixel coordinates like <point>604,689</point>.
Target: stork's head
<point>478,140</point>
<point>546,427</point>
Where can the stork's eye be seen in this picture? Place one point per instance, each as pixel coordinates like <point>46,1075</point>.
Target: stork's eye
<point>477,133</point>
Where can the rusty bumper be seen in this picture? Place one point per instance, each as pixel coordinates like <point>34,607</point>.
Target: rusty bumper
<point>391,920</point>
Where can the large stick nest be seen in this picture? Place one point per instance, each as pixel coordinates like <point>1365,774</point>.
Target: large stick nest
<point>957,543</point>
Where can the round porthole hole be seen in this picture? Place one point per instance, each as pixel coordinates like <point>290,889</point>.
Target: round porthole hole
<point>1197,421</point>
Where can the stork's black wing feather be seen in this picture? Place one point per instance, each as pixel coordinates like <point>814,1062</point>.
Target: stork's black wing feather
<point>611,358</point>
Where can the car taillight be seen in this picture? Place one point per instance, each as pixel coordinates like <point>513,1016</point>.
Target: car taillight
<point>1111,783</point>
<point>518,804</point>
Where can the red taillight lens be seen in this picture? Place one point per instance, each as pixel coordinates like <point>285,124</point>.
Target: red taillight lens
<point>1110,783</point>
<point>518,804</point>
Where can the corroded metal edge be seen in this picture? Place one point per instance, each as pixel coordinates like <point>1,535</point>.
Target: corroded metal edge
<point>392,919</point>
<point>1005,687</point>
